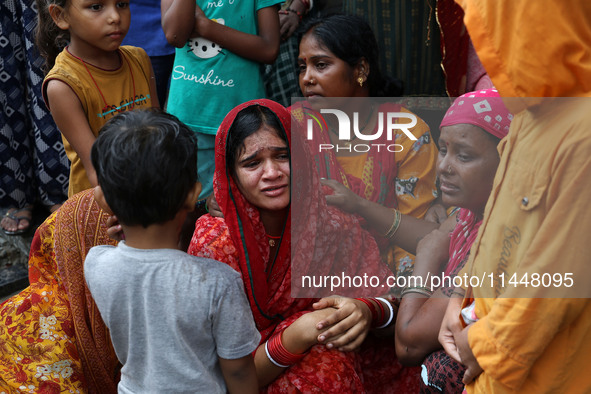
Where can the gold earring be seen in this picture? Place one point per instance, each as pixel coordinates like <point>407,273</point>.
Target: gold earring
<point>360,81</point>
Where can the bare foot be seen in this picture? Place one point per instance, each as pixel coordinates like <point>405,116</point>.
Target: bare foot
<point>17,221</point>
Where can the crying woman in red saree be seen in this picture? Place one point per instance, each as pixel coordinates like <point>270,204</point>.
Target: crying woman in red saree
<point>255,184</point>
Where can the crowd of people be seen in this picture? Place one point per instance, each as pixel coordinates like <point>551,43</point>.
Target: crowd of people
<point>195,208</point>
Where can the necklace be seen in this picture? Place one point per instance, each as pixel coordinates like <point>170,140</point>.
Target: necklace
<point>272,240</point>
<point>99,89</point>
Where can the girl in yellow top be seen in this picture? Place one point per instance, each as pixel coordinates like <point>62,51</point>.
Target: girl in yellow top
<point>92,79</point>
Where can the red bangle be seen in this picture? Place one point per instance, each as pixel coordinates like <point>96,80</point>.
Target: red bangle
<point>372,308</point>
<point>382,312</point>
<point>279,355</point>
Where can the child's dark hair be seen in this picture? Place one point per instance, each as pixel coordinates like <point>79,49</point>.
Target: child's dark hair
<point>247,122</point>
<point>146,165</point>
<point>351,39</point>
<point>49,38</point>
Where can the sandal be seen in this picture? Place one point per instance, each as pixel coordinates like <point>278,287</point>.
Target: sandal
<point>12,215</point>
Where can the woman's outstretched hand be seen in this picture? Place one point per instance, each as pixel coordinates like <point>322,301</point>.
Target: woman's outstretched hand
<point>343,198</point>
<point>349,323</point>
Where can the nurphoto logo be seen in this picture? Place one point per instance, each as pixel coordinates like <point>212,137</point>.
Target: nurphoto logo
<point>388,123</point>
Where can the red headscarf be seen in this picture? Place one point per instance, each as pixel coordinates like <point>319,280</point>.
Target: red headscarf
<point>248,233</point>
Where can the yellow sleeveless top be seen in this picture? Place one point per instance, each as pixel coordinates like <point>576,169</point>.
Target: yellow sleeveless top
<point>103,94</point>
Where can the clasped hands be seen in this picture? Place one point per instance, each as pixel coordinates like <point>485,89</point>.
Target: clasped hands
<point>339,323</point>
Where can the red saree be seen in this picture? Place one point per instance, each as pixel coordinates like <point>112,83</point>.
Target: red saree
<point>319,242</point>
<point>52,338</point>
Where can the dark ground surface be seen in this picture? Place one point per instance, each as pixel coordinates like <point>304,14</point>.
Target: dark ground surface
<point>14,253</point>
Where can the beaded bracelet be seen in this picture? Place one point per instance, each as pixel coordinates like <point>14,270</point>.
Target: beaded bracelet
<point>299,14</point>
<point>391,318</point>
<point>279,355</point>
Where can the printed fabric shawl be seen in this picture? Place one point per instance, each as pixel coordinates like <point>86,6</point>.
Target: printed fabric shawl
<point>82,226</point>
<point>52,336</point>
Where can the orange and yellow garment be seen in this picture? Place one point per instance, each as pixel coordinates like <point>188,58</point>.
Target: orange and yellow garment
<point>537,219</point>
<point>52,338</point>
<point>102,94</point>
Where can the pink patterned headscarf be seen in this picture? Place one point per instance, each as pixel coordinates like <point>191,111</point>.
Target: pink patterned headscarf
<point>482,108</point>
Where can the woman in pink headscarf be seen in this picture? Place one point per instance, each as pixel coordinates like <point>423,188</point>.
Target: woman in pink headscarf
<point>467,162</point>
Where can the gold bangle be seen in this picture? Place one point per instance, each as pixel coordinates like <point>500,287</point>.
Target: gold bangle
<point>395,224</point>
<point>417,289</point>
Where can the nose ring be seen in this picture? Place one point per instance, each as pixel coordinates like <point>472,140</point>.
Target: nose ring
<point>312,81</point>
<point>449,169</point>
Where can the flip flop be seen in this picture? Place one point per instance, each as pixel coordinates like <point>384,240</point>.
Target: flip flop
<point>12,215</point>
